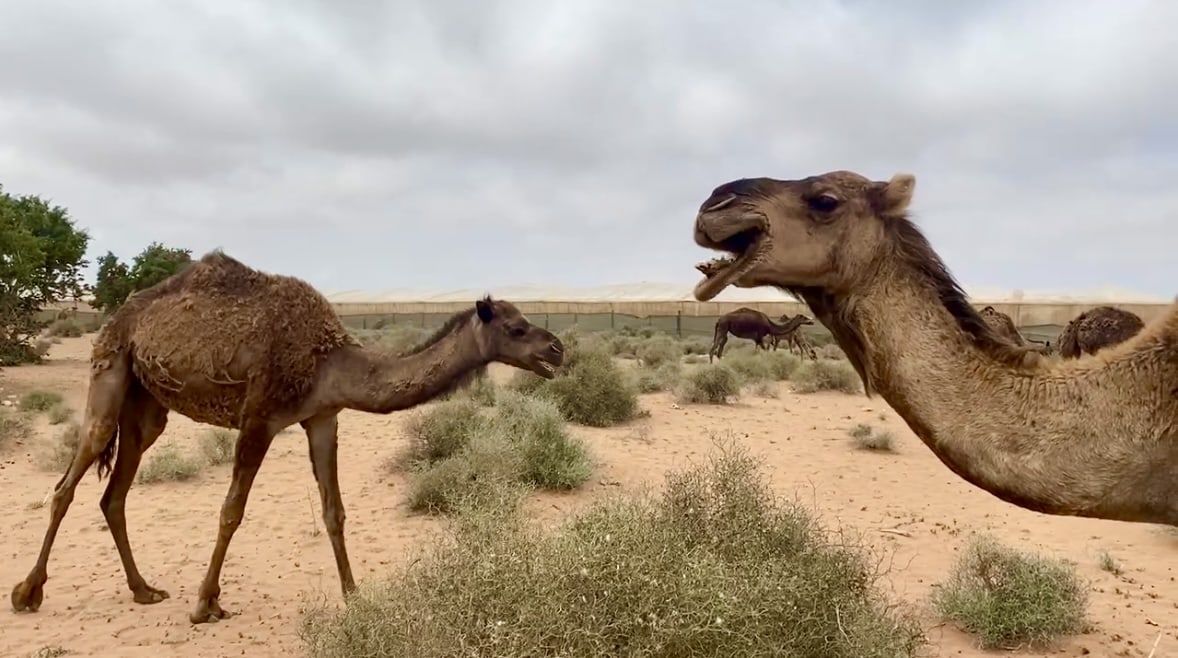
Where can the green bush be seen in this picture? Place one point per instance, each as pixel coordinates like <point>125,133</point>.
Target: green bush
<point>443,429</point>
<point>662,378</point>
<point>459,452</point>
<point>715,566</point>
<point>826,375</point>
<point>711,383</point>
<point>659,350</point>
<point>59,413</point>
<point>1008,598</point>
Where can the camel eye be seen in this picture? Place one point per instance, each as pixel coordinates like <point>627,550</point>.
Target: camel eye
<point>824,202</point>
<point>516,332</point>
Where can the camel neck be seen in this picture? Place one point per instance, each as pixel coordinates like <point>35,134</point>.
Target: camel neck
<point>374,381</point>
<point>1055,438</point>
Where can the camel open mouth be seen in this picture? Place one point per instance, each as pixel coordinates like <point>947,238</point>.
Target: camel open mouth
<point>746,249</point>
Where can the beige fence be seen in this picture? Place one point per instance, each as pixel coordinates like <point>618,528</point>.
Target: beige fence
<point>1037,320</point>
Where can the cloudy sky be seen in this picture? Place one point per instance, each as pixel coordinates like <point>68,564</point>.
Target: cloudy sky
<point>443,144</point>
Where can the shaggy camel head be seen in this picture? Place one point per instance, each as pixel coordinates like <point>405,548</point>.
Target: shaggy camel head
<point>503,334</point>
<point>821,231</point>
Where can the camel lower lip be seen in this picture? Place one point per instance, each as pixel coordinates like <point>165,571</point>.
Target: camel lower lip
<point>719,273</point>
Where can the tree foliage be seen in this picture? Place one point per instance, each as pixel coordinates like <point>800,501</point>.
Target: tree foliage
<point>42,254</point>
<point>116,280</point>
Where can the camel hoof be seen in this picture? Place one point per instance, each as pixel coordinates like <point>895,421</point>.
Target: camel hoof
<point>149,595</point>
<point>27,596</point>
<point>209,611</point>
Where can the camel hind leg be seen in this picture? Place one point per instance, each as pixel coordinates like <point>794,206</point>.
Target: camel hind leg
<point>719,340</point>
<point>104,401</point>
<point>141,422</point>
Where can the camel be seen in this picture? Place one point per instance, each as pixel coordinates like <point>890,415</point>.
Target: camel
<point>1005,328</point>
<point>228,345</point>
<point>1096,329</point>
<point>752,324</point>
<point>797,343</point>
<point>1093,437</point>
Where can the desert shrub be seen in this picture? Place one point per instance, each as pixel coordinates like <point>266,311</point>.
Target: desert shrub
<point>830,351</point>
<point>595,392</point>
<point>1008,598</point>
<point>659,350</point>
<point>459,452</point>
<point>825,375</point>
<point>65,328</point>
<point>662,378</point>
<point>443,429</point>
<point>865,437</point>
<point>714,566</point>
<point>218,445</point>
<point>59,413</point>
<point>696,346</point>
<point>39,400</point>
<point>481,390</point>
<point>748,367</point>
<point>764,389</point>
<point>712,383</point>
<point>550,457</point>
<point>1109,563</point>
<point>483,468</point>
<point>60,451</point>
<point>168,463</point>
<point>695,359</point>
<point>13,426</point>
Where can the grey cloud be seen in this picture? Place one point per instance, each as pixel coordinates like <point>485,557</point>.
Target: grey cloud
<point>451,144</point>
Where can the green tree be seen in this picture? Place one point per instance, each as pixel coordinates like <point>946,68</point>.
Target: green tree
<point>113,283</point>
<point>116,280</point>
<point>42,254</point>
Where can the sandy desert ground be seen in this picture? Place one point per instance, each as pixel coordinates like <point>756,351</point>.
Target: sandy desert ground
<point>279,559</point>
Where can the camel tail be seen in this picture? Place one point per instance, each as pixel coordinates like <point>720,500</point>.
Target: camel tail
<point>107,455</point>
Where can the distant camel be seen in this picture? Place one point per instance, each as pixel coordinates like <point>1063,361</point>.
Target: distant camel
<point>797,343</point>
<point>753,325</point>
<point>1005,328</point>
<point>1096,329</point>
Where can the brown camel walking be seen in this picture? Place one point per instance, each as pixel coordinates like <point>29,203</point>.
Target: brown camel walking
<point>1093,437</point>
<point>797,343</point>
<point>228,345</point>
<point>1096,329</point>
<point>753,325</point>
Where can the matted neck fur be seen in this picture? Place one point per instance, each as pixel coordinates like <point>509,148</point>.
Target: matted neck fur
<point>1094,437</point>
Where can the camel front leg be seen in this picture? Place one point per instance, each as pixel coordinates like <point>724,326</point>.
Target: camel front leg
<point>323,444</point>
<point>252,443</point>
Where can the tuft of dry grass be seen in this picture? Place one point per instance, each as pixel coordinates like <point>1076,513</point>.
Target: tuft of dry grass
<point>663,378</point>
<point>65,328</point>
<point>1010,599</point>
<point>1110,564</point>
<point>827,375</point>
<point>764,389</point>
<point>59,413</point>
<point>14,426</point>
<point>217,445</point>
<point>865,437</point>
<point>38,401</point>
<point>715,565</point>
<point>168,463</point>
<point>60,451</point>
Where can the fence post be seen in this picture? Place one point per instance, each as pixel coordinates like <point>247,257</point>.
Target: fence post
<point>679,323</point>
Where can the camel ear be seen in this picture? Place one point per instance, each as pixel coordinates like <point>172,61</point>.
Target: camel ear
<point>891,199</point>
<point>485,310</point>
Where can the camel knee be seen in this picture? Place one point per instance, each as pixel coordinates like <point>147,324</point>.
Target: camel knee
<point>333,520</point>
<point>231,516</point>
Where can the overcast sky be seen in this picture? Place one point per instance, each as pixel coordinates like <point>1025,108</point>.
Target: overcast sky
<point>442,144</point>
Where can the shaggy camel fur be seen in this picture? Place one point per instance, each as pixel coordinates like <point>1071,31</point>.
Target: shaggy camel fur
<point>1097,329</point>
<point>1093,437</point>
<point>227,345</point>
<point>753,325</point>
